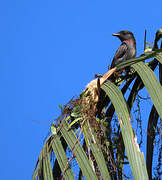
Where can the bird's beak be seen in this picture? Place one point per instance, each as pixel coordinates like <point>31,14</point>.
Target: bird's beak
<point>116,34</point>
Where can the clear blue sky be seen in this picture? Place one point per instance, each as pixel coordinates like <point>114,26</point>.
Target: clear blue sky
<point>49,51</point>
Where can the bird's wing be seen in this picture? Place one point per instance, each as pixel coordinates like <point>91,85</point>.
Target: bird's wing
<point>120,55</point>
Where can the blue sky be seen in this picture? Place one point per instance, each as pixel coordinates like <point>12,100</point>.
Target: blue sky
<point>49,51</point>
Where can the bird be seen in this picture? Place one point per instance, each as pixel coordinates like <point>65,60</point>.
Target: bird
<point>126,50</point>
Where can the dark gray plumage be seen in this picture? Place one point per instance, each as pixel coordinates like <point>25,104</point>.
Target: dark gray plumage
<point>126,50</point>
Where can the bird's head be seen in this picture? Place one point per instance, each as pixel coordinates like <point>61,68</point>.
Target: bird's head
<point>125,35</point>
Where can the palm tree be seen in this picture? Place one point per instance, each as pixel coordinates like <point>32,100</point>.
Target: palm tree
<point>88,141</point>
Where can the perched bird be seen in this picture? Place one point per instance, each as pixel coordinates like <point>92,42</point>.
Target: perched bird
<point>126,50</point>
